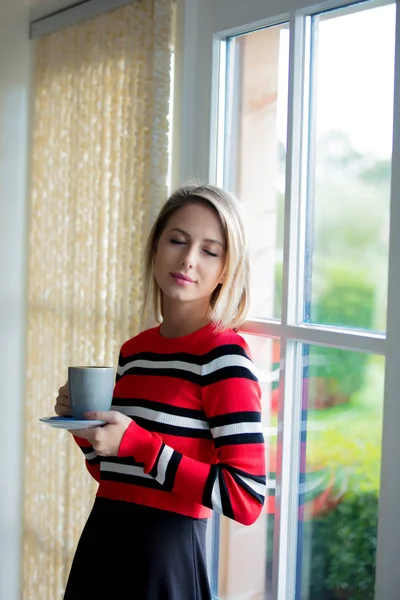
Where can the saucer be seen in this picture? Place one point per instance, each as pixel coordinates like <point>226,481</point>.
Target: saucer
<point>71,423</point>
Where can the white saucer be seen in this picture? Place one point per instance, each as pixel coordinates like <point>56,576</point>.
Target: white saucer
<point>71,423</point>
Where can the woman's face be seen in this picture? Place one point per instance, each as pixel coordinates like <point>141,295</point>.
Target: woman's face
<point>191,256</point>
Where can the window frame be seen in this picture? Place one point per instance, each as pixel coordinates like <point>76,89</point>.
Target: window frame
<point>203,26</point>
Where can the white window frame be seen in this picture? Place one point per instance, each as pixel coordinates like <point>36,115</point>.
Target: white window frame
<point>203,25</point>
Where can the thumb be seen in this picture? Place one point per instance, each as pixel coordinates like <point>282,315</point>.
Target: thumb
<point>108,416</point>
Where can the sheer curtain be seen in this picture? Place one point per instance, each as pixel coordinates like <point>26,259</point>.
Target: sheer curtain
<point>99,167</point>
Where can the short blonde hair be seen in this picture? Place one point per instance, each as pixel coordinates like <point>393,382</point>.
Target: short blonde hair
<point>229,302</point>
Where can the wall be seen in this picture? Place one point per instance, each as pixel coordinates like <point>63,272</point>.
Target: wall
<point>15,74</point>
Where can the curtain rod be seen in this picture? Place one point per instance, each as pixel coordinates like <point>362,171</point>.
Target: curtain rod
<point>70,15</point>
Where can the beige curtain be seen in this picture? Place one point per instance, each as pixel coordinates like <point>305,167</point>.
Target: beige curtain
<point>99,167</point>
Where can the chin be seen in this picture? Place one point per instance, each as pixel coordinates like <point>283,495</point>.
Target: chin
<point>180,296</point>
<point>176,294</point>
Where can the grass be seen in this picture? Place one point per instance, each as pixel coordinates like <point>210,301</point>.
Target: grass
<point>351,435</point>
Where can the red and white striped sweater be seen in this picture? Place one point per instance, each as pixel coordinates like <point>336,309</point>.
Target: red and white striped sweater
<point>195,442</point>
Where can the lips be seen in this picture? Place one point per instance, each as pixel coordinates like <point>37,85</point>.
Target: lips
<point>182,277</point>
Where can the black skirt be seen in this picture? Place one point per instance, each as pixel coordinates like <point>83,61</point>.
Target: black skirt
<point>133,552</point>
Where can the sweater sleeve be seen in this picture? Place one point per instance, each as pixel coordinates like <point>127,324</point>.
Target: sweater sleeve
<point>234,485</point>
<point>92,460</point>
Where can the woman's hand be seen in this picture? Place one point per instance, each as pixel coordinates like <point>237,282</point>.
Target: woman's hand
<point>105,440</point>
<point>62,406</point>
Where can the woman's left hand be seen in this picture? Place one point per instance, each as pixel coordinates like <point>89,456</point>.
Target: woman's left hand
<point>106,439</point>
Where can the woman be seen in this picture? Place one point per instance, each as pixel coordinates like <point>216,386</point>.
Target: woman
<point>184,434</point>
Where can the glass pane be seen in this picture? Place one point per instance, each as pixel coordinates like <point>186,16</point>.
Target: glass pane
<point>245,556</point>
<point>255,152</point>
<point>350,168</point>
<point>340,466</point>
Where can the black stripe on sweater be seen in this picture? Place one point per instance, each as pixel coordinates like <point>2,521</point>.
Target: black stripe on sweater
<point>161,407</point>
<point>239,439</point>
<point>186,432</point>
<point>131,480</point>
<point>153,471</point>
<point>209,486</point>
<point>171,471</point>
<point>235,417</point>
<point>248,489</point>
<point>194,359</point>
<point>234,372</point>
<point>225,499</point>
<point>88,450</point>
<point>233,470</point>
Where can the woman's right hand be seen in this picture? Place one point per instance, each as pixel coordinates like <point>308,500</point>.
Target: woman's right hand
<point>62,406</point>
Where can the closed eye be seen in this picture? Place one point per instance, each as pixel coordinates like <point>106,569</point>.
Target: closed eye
<point>177,242</point>
<point>211,253</point>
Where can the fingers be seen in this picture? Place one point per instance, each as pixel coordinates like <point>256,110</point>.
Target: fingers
<point>63,391</point>
<point>62,411</point>
<point>62,407</point>
<point>108,416</point>
<point>86,434</point>
<point>63,401</point>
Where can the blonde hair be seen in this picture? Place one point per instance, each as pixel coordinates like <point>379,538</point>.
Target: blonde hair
<point>229,302</point>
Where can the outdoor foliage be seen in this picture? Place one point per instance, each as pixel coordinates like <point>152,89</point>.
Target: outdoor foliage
<point>343,550</point>
<point>347,300</point>
<point>346,283</point>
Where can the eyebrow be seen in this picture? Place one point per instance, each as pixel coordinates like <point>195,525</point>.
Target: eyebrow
<point>209,240</point>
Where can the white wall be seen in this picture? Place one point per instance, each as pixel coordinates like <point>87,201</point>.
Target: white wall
<point>15,76</point>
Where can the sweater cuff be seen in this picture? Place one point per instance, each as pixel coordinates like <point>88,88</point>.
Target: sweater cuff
<point>82,442</point>
<point>140,444</point>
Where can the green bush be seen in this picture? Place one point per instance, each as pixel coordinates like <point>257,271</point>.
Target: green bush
<point>347,300</point>
<point>341,545</point>
<point>343,550</point>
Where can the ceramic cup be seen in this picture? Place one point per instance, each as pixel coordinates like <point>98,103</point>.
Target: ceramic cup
<point>90,389</point>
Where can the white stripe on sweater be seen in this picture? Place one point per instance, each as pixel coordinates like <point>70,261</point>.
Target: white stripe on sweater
<point>216,496</point>
<point>259,488</point>
<point>227,360</point>
<point>162,417</point>
<point>237,429</point>
<point>124,469</point>
<point>163,463</point>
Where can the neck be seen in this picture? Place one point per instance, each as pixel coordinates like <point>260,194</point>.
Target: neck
<point>182,320</point>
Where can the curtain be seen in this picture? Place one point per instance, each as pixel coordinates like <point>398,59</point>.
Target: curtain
<point>99,170</point>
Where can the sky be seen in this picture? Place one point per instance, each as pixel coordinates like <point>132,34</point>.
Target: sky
<point>355,72</point>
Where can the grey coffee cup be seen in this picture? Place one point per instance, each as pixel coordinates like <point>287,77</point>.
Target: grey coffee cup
<point>90,389</point>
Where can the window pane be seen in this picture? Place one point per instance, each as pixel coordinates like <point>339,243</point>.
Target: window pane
<point>255,152</point>
<point>340,466</point>
<point>245,557</point>
<point>350,166</point>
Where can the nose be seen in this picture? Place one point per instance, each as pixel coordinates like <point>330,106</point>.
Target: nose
<point>188,258</point>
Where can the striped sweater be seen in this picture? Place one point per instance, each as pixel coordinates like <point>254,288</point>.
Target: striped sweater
<point>195,442</point>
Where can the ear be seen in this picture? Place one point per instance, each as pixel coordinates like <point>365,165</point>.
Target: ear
<point>221,279</point>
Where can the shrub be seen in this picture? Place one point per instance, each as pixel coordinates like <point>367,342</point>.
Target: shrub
<point>343,550</point>
<point>347,300</point>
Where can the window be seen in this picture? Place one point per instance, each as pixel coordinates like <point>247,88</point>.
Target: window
<point>341,436</point>
<point>253,150</point>
<point>349,167</point>
<point>301,128</point>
